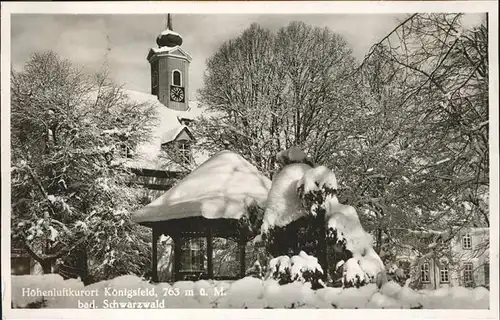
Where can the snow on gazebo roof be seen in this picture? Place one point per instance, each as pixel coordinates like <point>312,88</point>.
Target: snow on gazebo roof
<point>222,187</point>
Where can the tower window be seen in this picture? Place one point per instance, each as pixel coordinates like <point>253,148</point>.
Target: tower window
<point>424,272</point>
<point>176,78</point>
<point>467,242</point>
<point>155,79</point>
<point>193,254</point>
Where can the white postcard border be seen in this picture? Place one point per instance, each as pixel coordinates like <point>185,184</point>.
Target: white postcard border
<point>358,7</point>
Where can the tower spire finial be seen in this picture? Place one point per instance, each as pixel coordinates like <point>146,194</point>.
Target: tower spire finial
<point>169,22</point>
<point>168,38</point>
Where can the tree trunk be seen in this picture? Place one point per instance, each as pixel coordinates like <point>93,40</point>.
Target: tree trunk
<point>322,253</point>
<point>378,243</point>
<point>46,266</point>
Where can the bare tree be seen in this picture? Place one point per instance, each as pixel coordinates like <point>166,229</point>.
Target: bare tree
<point>424,162</point>
<point>69,186</point>
<point>273,91</point>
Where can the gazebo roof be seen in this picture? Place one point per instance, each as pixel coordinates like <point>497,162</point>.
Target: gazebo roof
<point>220,188</point>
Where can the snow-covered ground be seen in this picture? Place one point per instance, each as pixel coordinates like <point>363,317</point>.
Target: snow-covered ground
<point>244,293</point>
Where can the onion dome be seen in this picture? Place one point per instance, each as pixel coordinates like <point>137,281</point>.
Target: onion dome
<point>169,38</point>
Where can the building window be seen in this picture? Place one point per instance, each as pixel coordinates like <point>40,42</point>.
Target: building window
<point>20,262</point>
<point>125,151</point>
<point>186,157</point>
<point>468,273</point>
<point>193,253</point>
<point>445,278</point>
<point>487,273</point>
<point>467,242</point>
<point>176,78</point>
<point>424,272</point>
<point>185,122</point>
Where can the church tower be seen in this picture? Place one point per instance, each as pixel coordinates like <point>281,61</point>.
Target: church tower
<point>170,69</point>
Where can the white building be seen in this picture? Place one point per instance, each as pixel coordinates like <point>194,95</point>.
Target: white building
<point>467,264</point>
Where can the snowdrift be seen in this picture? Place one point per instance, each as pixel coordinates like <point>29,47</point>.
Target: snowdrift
<point>248,292</point>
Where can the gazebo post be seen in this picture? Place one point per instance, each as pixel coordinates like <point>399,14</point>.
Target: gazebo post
<point>177,256</point>
<point>241,245</point>
<point>210,252</point>
<point>154,255</point>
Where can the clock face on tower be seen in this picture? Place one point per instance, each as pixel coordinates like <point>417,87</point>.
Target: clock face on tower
<point>176,94</point>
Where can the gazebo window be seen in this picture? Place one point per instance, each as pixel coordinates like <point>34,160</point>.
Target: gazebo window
<point>225,258</point>
<point>193,255</point>
<point>176,78</point>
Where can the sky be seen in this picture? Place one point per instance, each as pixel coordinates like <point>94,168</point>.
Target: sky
<point>121,41</point>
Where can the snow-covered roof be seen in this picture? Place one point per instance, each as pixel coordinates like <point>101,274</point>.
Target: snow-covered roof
<point>173,133</point>
<point>164,49</point>
<point>185,116</point>
<point>476,230</point>
<point>176,50</point>
<point>148,155</point>
<point>222,187</point>
<point>168,31</point>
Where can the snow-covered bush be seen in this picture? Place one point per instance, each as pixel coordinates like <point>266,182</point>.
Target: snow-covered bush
<point>300,268</point>
<point>304,216</point>
<point>355,255</point>
<point>283,204</point>
<point>255,270</point>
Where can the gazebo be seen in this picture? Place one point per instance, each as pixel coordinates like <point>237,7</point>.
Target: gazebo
<point>214,200</point>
